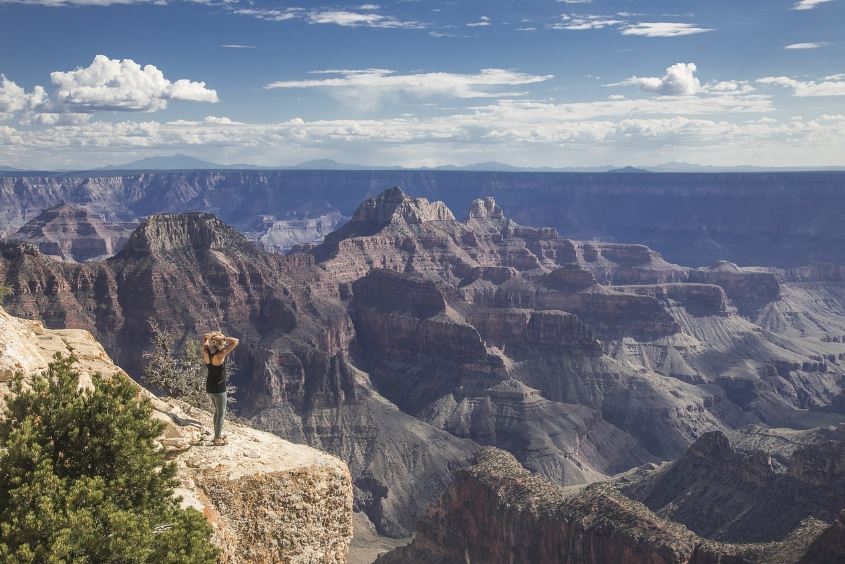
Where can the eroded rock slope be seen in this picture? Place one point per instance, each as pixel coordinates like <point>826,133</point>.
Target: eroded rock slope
<point>267,500</point>
<point>496,511</point>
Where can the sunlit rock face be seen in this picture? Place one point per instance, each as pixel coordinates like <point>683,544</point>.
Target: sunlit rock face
<point>496,511</point>
<point>744,495</point>
<point>266,499</point>
<point>70,233</point>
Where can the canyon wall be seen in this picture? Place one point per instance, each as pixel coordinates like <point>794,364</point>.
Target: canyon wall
<point>774,219</point>
<point>409,338</point>
<point>496,511</point>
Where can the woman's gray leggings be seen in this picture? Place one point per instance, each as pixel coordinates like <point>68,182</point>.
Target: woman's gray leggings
<point>219,401</point>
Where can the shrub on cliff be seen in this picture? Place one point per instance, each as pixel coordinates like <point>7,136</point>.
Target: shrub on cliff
<point>180,375</point>
<point>81,479</point>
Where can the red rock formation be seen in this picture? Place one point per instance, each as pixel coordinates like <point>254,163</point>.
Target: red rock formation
<point>732,495</point>
<point>71,233</point>
<point>496,511</point>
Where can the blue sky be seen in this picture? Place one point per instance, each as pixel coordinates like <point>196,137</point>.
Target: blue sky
<point>423,83</point>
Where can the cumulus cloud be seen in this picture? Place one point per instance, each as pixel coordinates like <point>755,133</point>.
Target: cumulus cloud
<point>725,126</point>
<point>14,99</point>
<point>679,80</point>
<point>515,128</point>
<point>378,82</point>
<point>664,29</point>
<point>812,45</point>
<point>832,85</point>
<point>808,4</point>
<point>123,85</point>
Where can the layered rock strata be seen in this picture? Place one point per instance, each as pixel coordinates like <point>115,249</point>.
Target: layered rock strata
<point>778,219</point>
<point>409,337</point>
<point>496,511</point>
<point>742,496</point>
<point>71,233</point>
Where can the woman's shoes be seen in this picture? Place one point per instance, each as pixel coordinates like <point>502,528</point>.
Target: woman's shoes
<point>220,441</point>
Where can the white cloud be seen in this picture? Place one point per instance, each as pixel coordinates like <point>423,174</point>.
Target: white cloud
<point>724,128</point>
<point>346,18</point>
<point>833,85</point>
<point>808,4</point>
<point>584,22</point>
<point>375,82</point>
<point>573,22</point>
<point>812,45</point>
<point>483,21</point>
<point>663,29</point>
<point>729,86</point>
<point>534,132</point>
<point>14,99</point>
<point>679,80</point>
<point>238,46</point>
<point>54,118</point>
<point>365,16</point>
<point>123,85</point>
<point>272,15</point>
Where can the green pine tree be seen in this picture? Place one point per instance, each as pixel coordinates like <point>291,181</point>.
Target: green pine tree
<point>81,479</point>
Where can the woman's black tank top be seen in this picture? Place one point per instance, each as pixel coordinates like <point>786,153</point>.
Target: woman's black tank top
<point>215,383</point>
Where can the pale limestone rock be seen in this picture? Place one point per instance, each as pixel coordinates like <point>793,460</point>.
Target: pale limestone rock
<point>268,500</point>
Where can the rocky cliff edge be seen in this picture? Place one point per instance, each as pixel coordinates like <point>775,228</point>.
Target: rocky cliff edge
<point>496,511</point>
<point>268,500</point>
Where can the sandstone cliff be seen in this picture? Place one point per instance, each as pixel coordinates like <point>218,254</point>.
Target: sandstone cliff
<point>267,500</point>
<point>297,379</point>
<point>71,233</point>
<point>495,511</point>
<point>725,494</point>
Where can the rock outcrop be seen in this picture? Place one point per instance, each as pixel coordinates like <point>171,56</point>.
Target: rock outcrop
<point>738,496</point>
<point>192,273</point>
<point>267,500</point>
<point>71,233</point>
<point>496,511</point>
<point>282,235</point>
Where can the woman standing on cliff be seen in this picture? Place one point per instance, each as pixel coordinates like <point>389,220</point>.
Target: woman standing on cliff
<point>215,348</point>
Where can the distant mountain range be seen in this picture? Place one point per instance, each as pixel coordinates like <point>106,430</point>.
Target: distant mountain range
<point>171,162</point>
<point>187,162</point>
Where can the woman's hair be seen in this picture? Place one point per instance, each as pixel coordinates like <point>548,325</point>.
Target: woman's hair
<point>216,342</point>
